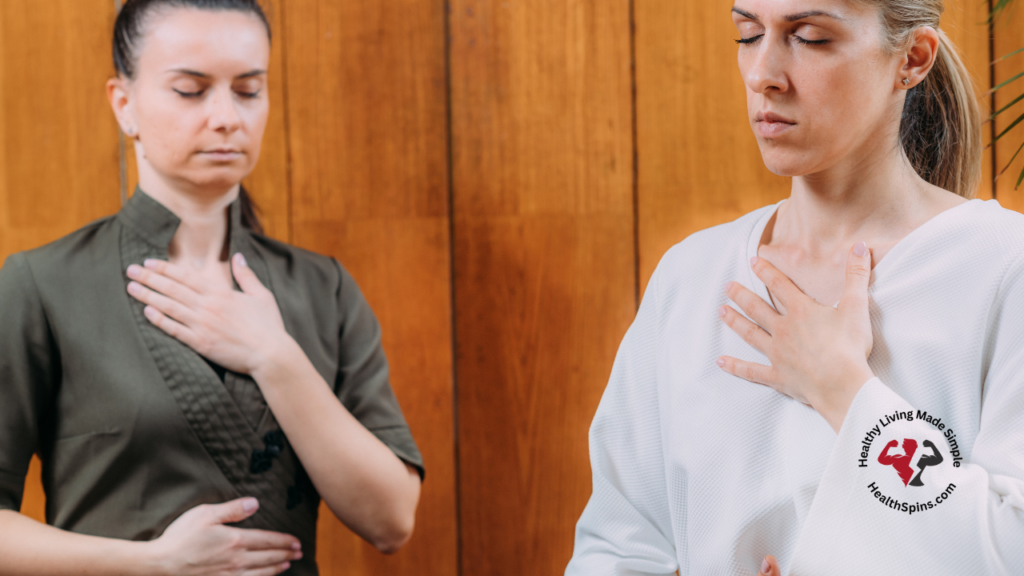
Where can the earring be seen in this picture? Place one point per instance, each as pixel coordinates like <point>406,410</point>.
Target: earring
<point>906,81</point>
<point>130,132</point>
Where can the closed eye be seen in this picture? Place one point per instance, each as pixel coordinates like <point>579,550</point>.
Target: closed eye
<point>188,94</point>
<point>750,40</point>
<point>805,41</point>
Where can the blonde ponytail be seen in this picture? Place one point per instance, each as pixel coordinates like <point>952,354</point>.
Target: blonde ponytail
<point>940,131</point>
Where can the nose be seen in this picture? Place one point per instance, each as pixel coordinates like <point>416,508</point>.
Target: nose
<point>223,111</point>
<point>765,71</point>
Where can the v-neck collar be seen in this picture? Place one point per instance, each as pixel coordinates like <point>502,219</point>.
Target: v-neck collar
<point>879,270</point>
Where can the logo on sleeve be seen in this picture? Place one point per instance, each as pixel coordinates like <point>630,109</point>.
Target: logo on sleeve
<point>901,463</point>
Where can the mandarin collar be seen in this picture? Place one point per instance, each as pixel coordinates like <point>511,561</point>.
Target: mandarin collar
<point>156,224</point>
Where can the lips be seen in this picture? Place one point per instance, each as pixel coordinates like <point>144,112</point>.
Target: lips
<point>224,154</point>
<point>770,124</point>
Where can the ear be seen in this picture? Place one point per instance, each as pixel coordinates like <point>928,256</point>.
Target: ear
<point>920,56</point>
<point>119,95</point>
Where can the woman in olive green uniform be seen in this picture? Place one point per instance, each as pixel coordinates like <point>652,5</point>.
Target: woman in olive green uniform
<point>192,387</point>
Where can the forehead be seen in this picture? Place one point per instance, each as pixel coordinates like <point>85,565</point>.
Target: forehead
<point>843,11</point>
<point>206,40</point>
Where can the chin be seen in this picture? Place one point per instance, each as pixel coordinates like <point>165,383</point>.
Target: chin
<point>789,163</point>
<point>218,177</point>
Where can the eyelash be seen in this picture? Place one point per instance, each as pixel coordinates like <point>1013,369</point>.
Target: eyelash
<point>200,93</point>
<point>753,39</point>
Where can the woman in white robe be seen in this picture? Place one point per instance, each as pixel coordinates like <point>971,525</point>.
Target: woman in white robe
<point>790,371</point>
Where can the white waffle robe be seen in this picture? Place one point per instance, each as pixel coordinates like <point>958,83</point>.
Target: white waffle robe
<point>703,472</point>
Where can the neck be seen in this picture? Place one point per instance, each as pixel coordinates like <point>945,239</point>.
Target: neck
<point>202,236</point>
<point>873,199</point>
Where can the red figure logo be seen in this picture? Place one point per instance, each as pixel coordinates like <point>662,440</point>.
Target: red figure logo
<point>900,463</point>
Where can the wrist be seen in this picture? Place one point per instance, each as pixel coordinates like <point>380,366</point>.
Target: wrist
<point>836,404</point>
<point>146,558</point>
<point>278,356</point>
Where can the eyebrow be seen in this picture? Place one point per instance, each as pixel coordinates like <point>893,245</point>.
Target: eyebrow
<point>188,72</point>
<point>791,17</point>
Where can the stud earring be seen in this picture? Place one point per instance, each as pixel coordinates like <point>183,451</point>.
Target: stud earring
<point>906,81</point>
<point>130,132</point>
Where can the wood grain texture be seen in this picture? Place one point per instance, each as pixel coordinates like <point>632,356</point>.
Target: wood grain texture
<point>59,161</point>
<point>1008,31</point>
<point>544,265</point>
<point>367,125</point>
<point>58,138</point>
<point>699,163</point>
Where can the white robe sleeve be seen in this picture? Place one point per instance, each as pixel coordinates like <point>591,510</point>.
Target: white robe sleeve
<point>625,528</point>
<point>969,518</point>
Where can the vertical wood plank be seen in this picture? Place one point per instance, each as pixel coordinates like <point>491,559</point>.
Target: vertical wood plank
<point>1009,36</point>
<point>58,138</point>
<point>544,263</point>
<point>59,167</point>
<point>367,109</point>
<point>699,163</point>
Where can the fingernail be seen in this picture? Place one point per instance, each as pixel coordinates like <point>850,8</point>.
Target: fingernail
<point>860,248</point>
<point>286,565</point>
<point>150,263</point>
<point>297,556</point>
<point>753,260</point>
<point>241,260</point>
<point>134,270</point>
<point>296,545</point>
<point>720,362</point>
<point>250,504</point>
<point>721,312</point>
<point>728,286</point>
<point>765,566</point>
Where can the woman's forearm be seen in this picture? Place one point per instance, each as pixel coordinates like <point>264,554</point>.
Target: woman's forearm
<point>29,548</point>
<point>362,481</point>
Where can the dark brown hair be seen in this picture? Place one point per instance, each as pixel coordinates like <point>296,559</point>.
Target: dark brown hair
<point>128,31</point>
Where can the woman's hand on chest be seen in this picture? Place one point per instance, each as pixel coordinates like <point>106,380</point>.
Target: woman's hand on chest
<point>818,353</point>
<point>238,330</point>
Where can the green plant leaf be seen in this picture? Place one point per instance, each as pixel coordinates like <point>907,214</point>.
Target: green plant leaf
<point>1007,129</point>
<point>1005,83</point>
<point>1014,53</point>
<point>1019,180</point>
<point>1011,162</point>
<point>1007,107</point>
<point>997,9</point>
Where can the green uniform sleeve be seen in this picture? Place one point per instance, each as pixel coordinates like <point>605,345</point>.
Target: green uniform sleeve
<point>362,384</point>
<point>29,367</point>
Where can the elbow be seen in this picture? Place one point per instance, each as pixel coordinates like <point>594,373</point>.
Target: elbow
<point>396,535</point>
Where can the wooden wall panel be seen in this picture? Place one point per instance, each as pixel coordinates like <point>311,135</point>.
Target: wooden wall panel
<point>59,166</point>
<point>1008,31</point>
<point>367,125</point>
<point>58,139</point>
<point>544,263</point>
<point>699,164</point>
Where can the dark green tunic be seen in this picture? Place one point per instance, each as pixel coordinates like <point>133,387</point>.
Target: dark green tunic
<point>132,426</point>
